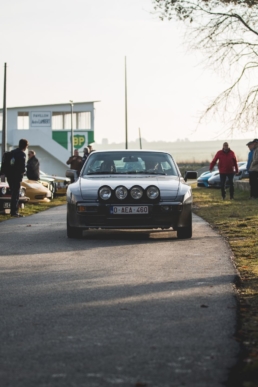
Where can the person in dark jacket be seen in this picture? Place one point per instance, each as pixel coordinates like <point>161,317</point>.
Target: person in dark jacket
<point>75,161</point>
<point>227,168</point>
<point>85,156</point>
<point>15,175</point>
<point>32,166</point>
<point>254,171</point>
<point>251,146</point>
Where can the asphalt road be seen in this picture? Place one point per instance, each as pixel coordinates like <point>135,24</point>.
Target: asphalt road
<point>117,308</point>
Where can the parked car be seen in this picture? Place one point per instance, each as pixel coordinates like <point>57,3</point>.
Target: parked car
<point>5,198</point>
<point>36,191</point>
<point>47,182</point>
<point>202,180</point>
<point>51,184</point>
<point>61,182</point>
<point>214,181</point>
<point>129,189</point>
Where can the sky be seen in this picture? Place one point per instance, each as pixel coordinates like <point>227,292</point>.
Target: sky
<point>60,50</point>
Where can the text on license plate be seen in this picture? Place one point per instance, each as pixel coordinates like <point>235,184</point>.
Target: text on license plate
<point>6,205</point>
<point>128,210</point>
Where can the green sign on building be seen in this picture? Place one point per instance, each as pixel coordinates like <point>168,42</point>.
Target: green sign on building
<point>80,139</point>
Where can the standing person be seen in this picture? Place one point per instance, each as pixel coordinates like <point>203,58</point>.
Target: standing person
<point>32,166</point>
<point>15,175</point>
<point>85,156</point>
<point>227,169</point>
<point>75,161</point>
<point>254,171</point>
<point>250,145</point>
<point>90,148</point>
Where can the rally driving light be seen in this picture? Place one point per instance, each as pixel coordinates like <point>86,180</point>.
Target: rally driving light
<point>188,198</point>
<point>4,190</point>
<point>105,192</point>
<point>152,192</point>
<point>121,192</point>
<point>136,192</point>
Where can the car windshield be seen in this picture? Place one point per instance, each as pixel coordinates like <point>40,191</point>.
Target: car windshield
<point>120,162</point>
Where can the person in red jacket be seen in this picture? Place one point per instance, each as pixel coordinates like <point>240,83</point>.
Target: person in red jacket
<point>227,168</point>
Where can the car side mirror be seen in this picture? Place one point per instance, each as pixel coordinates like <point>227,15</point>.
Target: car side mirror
<point>72,174</point>
<point>190,175</point>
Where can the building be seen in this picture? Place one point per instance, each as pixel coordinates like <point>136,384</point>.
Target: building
<point>48,130</point>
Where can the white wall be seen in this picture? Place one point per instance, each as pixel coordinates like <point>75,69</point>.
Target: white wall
<point>48,163</point>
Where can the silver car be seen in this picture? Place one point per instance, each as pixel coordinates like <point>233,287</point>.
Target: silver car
<point>129,189</point>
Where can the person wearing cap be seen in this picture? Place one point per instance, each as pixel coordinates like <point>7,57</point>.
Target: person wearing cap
<point>227,169</point>
<point>75,161</point>
<point>250,145</point>
<point>253,171</point>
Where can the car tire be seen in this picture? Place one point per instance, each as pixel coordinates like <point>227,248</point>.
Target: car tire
<point>184,232</point>
<point>73,232</point>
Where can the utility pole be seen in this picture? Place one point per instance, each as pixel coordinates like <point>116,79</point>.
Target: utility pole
<point>140,138</point>
<point>4,128</point>
<point>126,130</point>
<point>71,103</point>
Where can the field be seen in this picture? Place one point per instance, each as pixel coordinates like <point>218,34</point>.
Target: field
<point>30,209</point>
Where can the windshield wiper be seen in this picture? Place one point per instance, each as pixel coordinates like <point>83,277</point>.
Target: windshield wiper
<point>125,173</point>
<point>101,173</point>
<point>144,173</point>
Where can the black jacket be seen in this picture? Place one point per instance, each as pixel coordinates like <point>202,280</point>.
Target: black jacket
<point>33,168</point>
<point>17,162</point>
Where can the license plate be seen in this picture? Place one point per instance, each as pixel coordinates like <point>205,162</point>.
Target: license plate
<point>7,205</point>
<point>129,210</point>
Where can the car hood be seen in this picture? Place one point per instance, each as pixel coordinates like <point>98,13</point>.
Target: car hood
<point>206,176</point>
<point>46,178</point>
<point>168,185</point>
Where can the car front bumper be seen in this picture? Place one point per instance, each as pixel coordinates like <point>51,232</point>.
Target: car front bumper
<point>161,215</point>
<point>5,202</point>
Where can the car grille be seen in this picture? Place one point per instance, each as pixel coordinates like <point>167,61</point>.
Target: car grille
<point>101,216</point>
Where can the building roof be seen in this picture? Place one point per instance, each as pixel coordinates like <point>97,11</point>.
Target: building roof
<point>49,104</point>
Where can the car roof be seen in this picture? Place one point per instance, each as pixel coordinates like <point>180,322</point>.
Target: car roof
<point>129,150</point>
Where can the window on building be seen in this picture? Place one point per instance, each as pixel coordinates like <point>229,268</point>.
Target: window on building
<point>23,121</point>
<point>62,120</point>
<point>1,121</point>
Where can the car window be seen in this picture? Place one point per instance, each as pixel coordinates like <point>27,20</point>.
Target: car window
<point>130,163</point>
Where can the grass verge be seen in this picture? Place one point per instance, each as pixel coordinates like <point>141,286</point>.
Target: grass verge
<point>30,209</point>
<point>237,221</point>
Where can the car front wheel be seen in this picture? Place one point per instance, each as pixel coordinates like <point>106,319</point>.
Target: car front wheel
<point>184,232</point>
<point>73,232</point>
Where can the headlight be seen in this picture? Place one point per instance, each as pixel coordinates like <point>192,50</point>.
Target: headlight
<point>105,192</point>
<point>121,192</point>
<point>4,190</point>
<point>136,192</point>
<point>188,197</point>
<point>152,192</point>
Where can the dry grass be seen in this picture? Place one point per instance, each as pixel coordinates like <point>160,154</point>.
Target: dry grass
<point>237,221</point>
<point>31,209</point>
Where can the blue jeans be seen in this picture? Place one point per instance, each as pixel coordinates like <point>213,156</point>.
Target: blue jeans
<point>223,178</point>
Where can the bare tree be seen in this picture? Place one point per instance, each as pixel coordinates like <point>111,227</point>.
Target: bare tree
<point>227,33</point>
